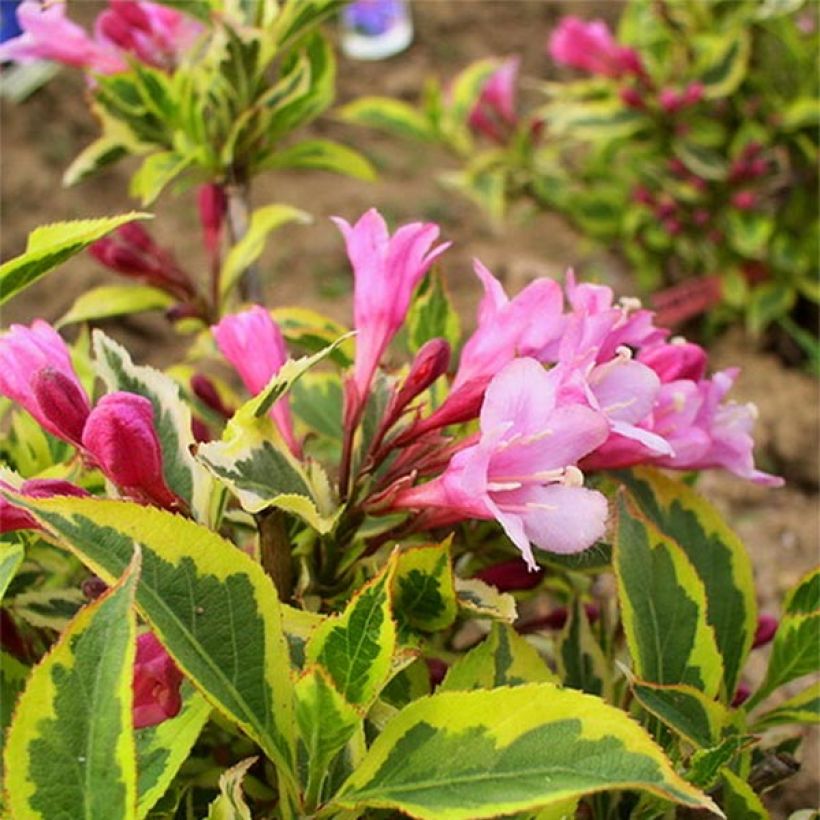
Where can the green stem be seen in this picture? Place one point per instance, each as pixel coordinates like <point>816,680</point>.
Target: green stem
<point>239,218</point>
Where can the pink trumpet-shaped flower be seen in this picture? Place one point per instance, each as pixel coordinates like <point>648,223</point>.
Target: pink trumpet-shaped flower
<point>522,470</point>
<point>591,47</point>
<point>157,681</point>
<point>15,518</point>
<point>36,372</point>
<point>253,343</point>
<point>494,112</point>
<point>386,271</point>
<point>120,437</point>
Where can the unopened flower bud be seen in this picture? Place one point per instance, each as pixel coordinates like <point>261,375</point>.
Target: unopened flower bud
<point>766,627</point>
<point>741,695</point>
<point>693,93</point>
<point>15,518</point>
<point>205,390</point>
<point>701,217</point>
<point>744,200</point>
<point>157,681</point>
<point>670,100</point>
<point>430,362</point>
<point>93,587</point>
<point>213,205</point>
<point>642,195</point>
<point>120,437</point>
<point>62,401</point>
<point>509,576</point>
<point>631,96</point>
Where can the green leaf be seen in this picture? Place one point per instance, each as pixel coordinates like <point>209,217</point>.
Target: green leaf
<point>172,419</point>
<point>749,232</point>
<point>13,676</point>
<point>718,555</point>
<point>312,331</point>
<point>740,800</point>
<point>598,120</point>
<point>386,114</point>
<point>804,597</point>
<point>580,657</point>
<point>316,399</point>
<point>323,155</point>
<point>163,748</point>
<point>802,708</point>
<point>481,600</point>
<point>47,608</point>
<point>254,462</point>
<point>424,595</point>
<point>466,88</point>
<point>326,722</point>
<point>50,246</point>
<point>355,648</point>
<point>478,754</point>
<point>698,719</point>
<point>102,152</point>
<point>706,765</point>
<point>297,18</point>
<point>11,556</point>
<point>722,60</point>
<point>155,173</point>
<point>795,652</point>
<point>663,605</point>
<point>503,658</point>
<point>70,748</point>
<point>115,300</point>
<point>768,303</point>
<point>231,805</point>
<point>705,162</point>
<point>214,608</point>
<point>432,315</point>
<point>249,248</point>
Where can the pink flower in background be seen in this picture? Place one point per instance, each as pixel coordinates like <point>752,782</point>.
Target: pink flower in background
<point>121,439</point>
<point>494,112</point>
<point>36,372</point>
<point>15,518</point>
<point>253,343</point>
<point>386,271</point>
<point>591,47</point>
<point>157,681</point>
<point>522,470</point>
<point>149,32</point>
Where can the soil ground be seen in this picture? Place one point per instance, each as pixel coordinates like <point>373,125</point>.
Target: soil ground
<point>40,137</point>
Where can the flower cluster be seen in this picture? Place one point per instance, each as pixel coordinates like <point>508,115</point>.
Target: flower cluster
<point>128,29</point>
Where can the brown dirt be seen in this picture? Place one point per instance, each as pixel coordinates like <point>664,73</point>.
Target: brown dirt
<point>38,139</point>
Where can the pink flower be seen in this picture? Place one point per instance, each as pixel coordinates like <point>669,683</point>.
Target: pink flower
<point>36,372</point>
<point>120,437</point>
<point>386,271</point>
<point>152,33</point>
<point>14,518</point>
<point>494,112</point>
<point>590,47</point>
<point>521,472</point>
<point>253,343</point>
<point>156,683</point>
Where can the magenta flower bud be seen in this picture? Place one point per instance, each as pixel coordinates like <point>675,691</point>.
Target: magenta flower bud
<point>36,372</point>
<point>701,217</point>
<point>62,401</point>
<point>430,362</point>
<point>157,681</point>
<point>672,226</point>
<point>557,619</point>
<point>14,518</point>
<point>205,390</point>
<point>670,100</point>
<point>675,360</point>
<point>509,576</point>
<point>744,200</point>
<point>693,94</point>
<point>631,96</point>
<point>642,195</point>
<point>741,695</point>
<point>677,167</point>
<point>120,436</point>
<point>200,431</point>
<point>93,586</point>
<point>437,669</point>
<point>116,29</point>
<point>212,205</point>
<point>666,209</point>
<point>591,47</point>
<point>132,13</point>
<point>766,627</point>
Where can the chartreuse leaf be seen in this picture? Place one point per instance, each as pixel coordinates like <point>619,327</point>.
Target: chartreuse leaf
<point>249,248</point>
<point>70,748</point>
<point>50,245</point>
<point>163,748</point>
<point>47,608</point>
<point>580,657</point>
<point>297,18</point>
<point>802,708</point>
<point>355,648</point>
<point>11,556</point>
<point>13,676</point>
<point>312,331</point>
<point>212,606</point>
<point>687,711</point>
<point>387,114</point>
<point>721,61</point>
<point>503,658</point>
<point>740,799</point>
<point>424,594</point>
<point>468,755</point>
<point>323,155</point>
<point>172,419</point>
<point>231,804</point>
<point>155,173</point>
<point>718,555</point>
<point>255,463</point>
<point>481,600</point>
<point>432,315</point>
<point>804,597</point>
<point>115,300</point>
<point>663,605</point>
<point>326,722</point>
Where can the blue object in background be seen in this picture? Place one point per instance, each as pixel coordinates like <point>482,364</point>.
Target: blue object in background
<point>372,17</point>
<point>9,27</point>
<point>375,29</point>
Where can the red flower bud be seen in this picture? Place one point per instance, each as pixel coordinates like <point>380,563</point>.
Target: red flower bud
<point>437,670</point>
<point>701,217</point>
<point>744,200</point>
<point>766,627</point>
<point>213,205</point>
<point>511,575</point>
<point>15,518</point>
<point>631,96</point>
<point>62,402</point>
<point>430,362</point>
<point>670,100</point>
<point>156,683</point>
<point>741,695</point>
<point>120,436</point>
